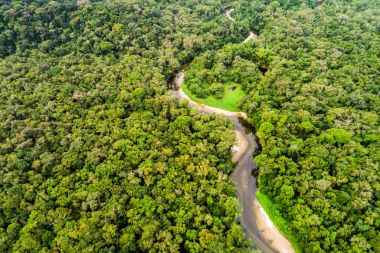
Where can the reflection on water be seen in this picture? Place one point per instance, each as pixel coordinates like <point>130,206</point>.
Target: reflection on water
<point>245,172</point>
<point>248,128</point>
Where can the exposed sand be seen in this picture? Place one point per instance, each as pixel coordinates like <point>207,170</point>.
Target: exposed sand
<point>251,36</point>
<point>258,226</point>
<point>228,14</point>
<point>269,230</point>
<point>80,2</point>
<point>240,147</point>
<point>256,223</point>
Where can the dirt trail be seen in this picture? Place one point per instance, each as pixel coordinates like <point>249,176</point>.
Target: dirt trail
<point>251,36</point>
<point>257,225</point>
<point>228,14</point>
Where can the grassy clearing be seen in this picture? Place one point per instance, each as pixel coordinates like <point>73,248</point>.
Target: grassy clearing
<point>230,101</point>
<point>277,219</point>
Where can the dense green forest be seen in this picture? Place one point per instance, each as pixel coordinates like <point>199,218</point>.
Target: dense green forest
<point>222,74</point>
<point>316,110</point>
<point>96,156</point>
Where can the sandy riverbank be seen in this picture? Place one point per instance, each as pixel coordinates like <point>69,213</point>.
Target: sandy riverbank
<point>258,226</point>
<point>256,223</point>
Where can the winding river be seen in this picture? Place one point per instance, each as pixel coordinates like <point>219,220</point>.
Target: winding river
<point>255,222</point>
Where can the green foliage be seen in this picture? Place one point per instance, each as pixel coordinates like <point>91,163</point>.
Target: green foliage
<point>230,101</point>
<point>278,220</point>
<point>217,90</point>
<point>220,78</point>
<point>95,155</point>
<point>316,113</point>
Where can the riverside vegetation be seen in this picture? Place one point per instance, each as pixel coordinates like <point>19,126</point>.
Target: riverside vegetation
<point>316,111</point>
<point>95,155</point>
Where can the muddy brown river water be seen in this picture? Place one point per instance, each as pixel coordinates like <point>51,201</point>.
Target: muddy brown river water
<point>255,222</point>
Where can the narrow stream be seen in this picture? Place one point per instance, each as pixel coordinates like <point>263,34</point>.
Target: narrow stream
<point>242,175</point>
<point>255,222</point>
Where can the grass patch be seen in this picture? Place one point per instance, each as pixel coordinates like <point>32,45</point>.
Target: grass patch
<point>277,219</point>
<point>230,101</point>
